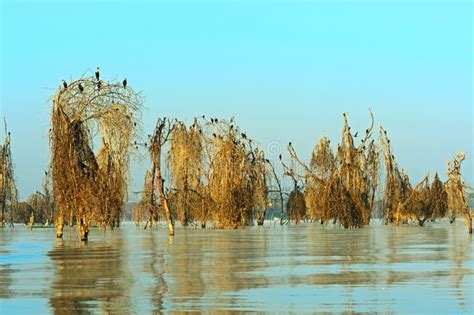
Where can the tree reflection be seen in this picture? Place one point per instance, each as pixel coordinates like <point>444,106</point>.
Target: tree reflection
<point>89,276</point>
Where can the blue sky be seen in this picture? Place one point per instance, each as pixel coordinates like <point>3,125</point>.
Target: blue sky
<point>286,70</point>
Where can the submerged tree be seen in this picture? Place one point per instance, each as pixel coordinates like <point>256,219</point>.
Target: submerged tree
<point>456,190</point>
<point>91,187</point>
<point>186,164</point>
<point>8,191</point>
<point>340,188</point>
<point>164,128</point>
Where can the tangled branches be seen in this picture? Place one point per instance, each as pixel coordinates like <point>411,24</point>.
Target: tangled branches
<point>455,187</point>
<point>216,173</point>
<point>342,187</point>
<point>92,187</point>
<point>8,191</point>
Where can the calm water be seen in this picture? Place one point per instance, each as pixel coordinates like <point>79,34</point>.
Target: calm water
<point>301,269</point>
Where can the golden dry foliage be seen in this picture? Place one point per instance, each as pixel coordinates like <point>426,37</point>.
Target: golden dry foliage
<point>8,191</point>
<point>216,173</point>
<point>455,188</point>
<point>185,159</point>
<point>402,203</point>
<point>439,199</point>
<point>89,187</point>
<point>296,206</point>
<point>231,187</point>
<point>163,130</point>
<point>397,184</point>
<point>323,164</point>
<point>340,188</point>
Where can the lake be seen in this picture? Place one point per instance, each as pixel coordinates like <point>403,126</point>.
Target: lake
<point>303,269</point>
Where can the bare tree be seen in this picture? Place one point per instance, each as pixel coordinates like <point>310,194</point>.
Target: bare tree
<point>87,187</point>
<point>8,190</point>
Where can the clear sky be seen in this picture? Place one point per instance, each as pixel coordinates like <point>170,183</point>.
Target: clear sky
<point>286,70</point>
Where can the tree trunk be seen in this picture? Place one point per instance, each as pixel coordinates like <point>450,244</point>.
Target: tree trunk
<point>2,203</point>
<point>59,226</point>
<point>468,220</point>
<point>261,217</point>
<point>164,200</point>
<point>83,229</point>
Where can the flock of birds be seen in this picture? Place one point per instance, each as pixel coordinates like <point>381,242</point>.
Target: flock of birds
<point>99,82</point>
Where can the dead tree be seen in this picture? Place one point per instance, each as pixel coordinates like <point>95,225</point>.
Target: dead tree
<point>342,188</point>
<point>185,160</point>
<point>164,128</point>
<point>8,190</point>
<point>92,188</point>
<point>456,189</point>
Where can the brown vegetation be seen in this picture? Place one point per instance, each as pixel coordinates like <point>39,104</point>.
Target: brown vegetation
<point>91,187</point>
<point>8,191</point>
<point>340,188</point>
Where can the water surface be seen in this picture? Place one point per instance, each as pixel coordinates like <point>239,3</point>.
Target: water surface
<point>303,269</point>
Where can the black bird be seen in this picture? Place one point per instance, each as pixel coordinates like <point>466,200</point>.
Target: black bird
<point>64,84</point>
<point>99,84</point>
<point>212,120</point>
<point>355,136</point>
<point>124,83</point>
<point>279,156</point>
<point>289,143</point>
<point>216,120</point>
<point>81,88</point>
<point>45,173</point>
<point>135,124</point>
<point>97,73</point>
<point>243,135</point>
<point>231,126</point>
<point>214,135</point>
<point>366,130</point>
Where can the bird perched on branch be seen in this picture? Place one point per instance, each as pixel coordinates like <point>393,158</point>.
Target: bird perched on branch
<point>99,84</point>
<point>97,73</point>
<point>81,88</point>
<point>124,83</point>
<point>243,135</point>
<point>355,136</point>
<point>64,84</point>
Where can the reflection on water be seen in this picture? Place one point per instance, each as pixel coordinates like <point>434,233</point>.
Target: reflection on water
<point>296,269</point>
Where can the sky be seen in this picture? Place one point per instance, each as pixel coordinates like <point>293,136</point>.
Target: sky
<point>286,70</point>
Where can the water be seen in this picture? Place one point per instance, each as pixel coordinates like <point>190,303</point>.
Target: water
<point>308,268</point>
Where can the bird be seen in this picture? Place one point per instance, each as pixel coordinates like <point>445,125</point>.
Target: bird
<point>45,173</point>
<point>279,156</point>
<point>97,73</point>
<point>99,84</point>
<point>355,136</point>
<point>124,83</point>
<point>366,130</point>
<point>214,135</point>
<point>243,135</point>
<point>290,143</point>
<point>212,120</point>
<point>231,126</point>
<point>81,88</point>
<point>64,84</point>
<point>216,120</point>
